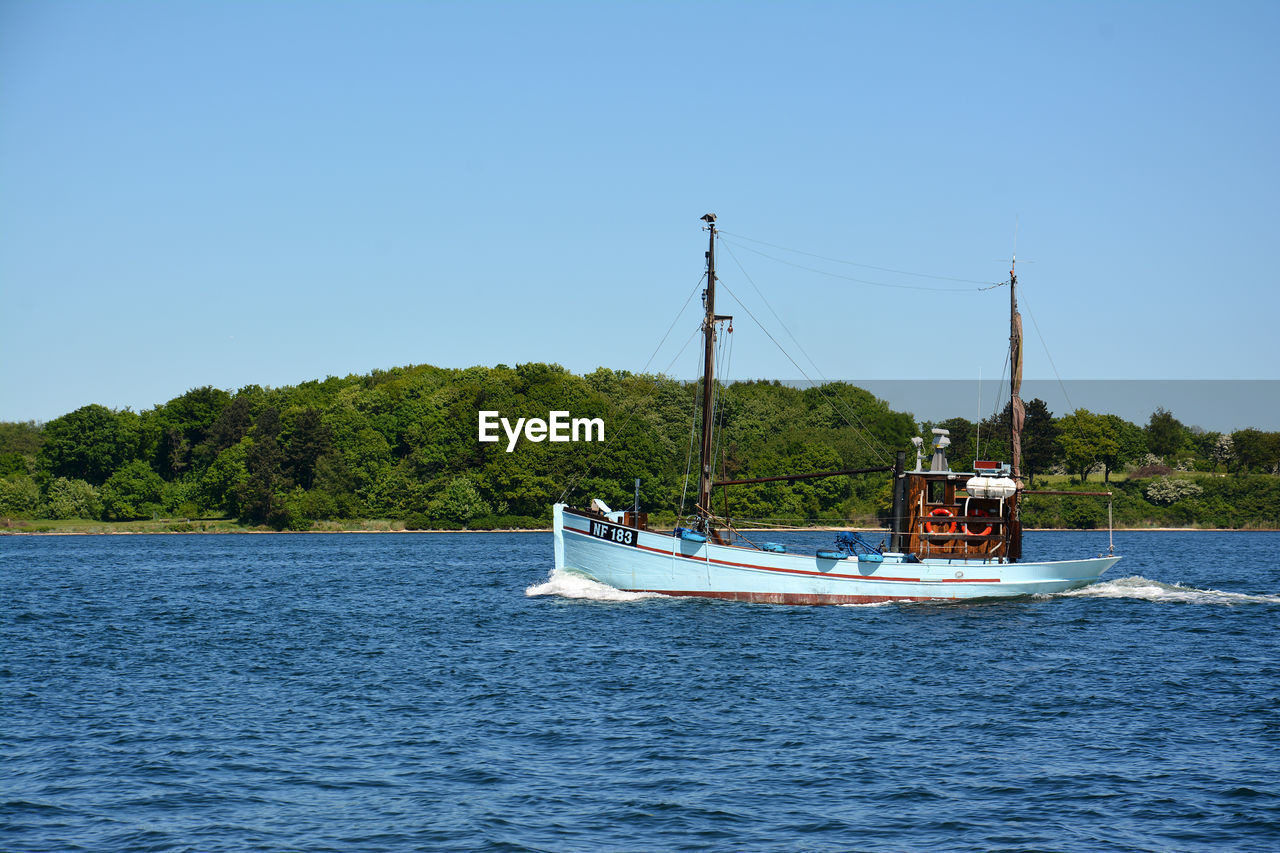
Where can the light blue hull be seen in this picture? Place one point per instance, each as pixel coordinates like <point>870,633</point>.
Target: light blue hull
<point>644,561</point>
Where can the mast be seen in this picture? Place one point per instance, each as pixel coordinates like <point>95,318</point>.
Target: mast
<point>705,461</point>
<point>1017,416</point>
<point>1017,413</point>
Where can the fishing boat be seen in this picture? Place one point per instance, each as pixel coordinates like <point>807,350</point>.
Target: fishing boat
<point>953,534</point>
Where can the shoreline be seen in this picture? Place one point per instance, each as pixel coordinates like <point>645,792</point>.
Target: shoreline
<point>354,531</point>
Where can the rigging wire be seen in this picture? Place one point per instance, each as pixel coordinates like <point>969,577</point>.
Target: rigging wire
<point>725,357</point>
<point>854,263</point>
<point>636,407</point>
<point>630,416</point>
<point>869,439</point>
<point>673,324</point>
<point>988,285</point>
<point>717,393</point>
<point>873,444</point>
<point>1061,384</point>
<point>977,435</point>
<point>847,410</point>
<point>1079,429</point>
<point>688,461</point>
<point>768,305</point>
<point>782,523</point>
<point>1001,386</point>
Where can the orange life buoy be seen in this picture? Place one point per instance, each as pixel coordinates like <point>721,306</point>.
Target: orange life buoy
<point>978,513</point>
<point>940,511</point>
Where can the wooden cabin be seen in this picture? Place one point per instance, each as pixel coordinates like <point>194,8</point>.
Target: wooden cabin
<point>942,519</point>
<point>963,515</point>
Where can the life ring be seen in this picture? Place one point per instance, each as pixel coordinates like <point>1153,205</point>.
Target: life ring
<point>978,513</point>
<point>941,511</point>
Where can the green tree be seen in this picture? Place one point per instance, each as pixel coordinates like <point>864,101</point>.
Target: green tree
<point>134,491</point>
<point>173,453</point>
<point>1039,439</point>
<point>394,493</point>
<point>520,483</point>
<point>1256,451</point>
<point>1040,448</point>
<point>14,463</point>
<point>182,498</point>
<point>259,497</point>
<point>19,444</point>
<point>368,456</point>
<point>305,507</point>
<point>819,495</point>
<point>67,498</point>
<point>459,502</point>
<point>87,444</point>
<point>182,427</point>
<point>21,437</point>
<point>961,453</point>
<point>1166,435</point>
<point>232,425</point>
<point>306,441</point>
<point>19,495</point>
<point>1130,444</point>
<point>1085,440</point>
<point>1223,451</point>
<point>994,434</point>
<point>221,482</point>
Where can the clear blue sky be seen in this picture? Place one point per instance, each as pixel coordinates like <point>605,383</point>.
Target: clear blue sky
<point>213,193</point>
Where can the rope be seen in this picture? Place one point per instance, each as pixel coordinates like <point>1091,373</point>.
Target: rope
<point>854,263</point>
<point>635,407</point>
<point>688,461</point>
<point>987,285</point>
<point>1061,385</point>
<point>768,305</point>
<point>873,444</point>
<point>1111,542</point>
<point>847,412</point>
<point>1047,355</point>
<point>780,524</point>
<point>1000,387</point>
<point>724,356</point>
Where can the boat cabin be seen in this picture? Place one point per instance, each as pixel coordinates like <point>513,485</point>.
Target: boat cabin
<point>966,515</point>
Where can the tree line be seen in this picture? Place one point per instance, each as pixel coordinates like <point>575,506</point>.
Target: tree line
<point>403,444</point>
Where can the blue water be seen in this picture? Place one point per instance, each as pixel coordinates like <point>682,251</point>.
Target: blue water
<point>438,692</point>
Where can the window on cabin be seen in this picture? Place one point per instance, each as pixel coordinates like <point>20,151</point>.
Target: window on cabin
<point>937,491</point>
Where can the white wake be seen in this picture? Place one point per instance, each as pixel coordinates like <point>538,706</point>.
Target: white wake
<point>1146,589</point>
<point>568,584</point>
<point>573,585</point>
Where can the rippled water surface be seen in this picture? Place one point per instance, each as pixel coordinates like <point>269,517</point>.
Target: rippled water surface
<point>442,692</point>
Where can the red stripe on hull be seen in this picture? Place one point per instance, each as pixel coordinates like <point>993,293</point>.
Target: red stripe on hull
<point>806,572</point>
<point>792,597</point>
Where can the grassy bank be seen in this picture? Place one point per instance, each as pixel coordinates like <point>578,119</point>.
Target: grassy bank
<point>79,526</point>
<point>89,527</point>
<point>1185,501</point>
<point>1179,500</point>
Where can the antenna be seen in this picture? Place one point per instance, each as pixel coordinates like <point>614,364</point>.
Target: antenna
<point>1013,262</point>
<point>977,439</point>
